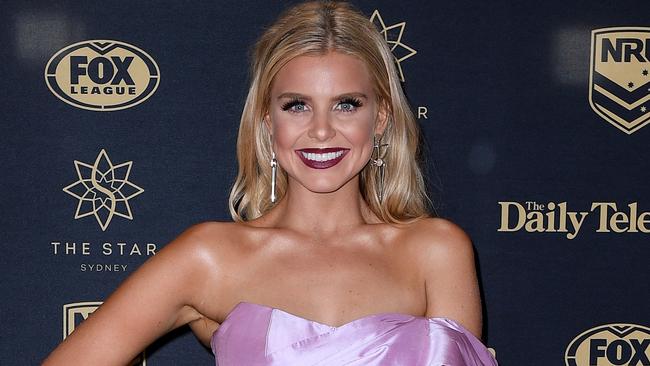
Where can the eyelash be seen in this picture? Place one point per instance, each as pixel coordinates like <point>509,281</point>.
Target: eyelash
<point>292,103</point>
<point>354,102</point>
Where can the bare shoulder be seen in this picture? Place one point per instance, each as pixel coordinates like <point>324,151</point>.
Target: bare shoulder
<point>440,239</point>
<point>202,234</point>
<point>205,239</point>
<point>445,259</point>
<point>212,250</point>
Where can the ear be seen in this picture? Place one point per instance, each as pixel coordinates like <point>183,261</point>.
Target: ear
<point>267,122</point>
<point>382,118</point>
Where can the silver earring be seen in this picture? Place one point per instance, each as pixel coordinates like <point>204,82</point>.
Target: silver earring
<point>274,172</point>
<point>378,160</point>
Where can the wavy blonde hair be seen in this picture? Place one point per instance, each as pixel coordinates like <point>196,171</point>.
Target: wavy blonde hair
<point>316,28</point>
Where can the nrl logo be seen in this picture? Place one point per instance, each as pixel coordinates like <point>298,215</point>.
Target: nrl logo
<point>619,81</point>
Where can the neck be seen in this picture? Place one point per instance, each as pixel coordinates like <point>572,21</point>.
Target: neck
<point>323,214</point>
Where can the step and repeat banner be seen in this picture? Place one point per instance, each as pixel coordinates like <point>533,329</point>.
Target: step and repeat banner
<point>119,123</point>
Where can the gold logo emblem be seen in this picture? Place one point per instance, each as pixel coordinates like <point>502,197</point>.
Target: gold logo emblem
<point>393,36</point>
<point>102,75</point>
<point>103,190</point>
<point>619,81</point>
<point>610,344</point>
<point>75,313</point>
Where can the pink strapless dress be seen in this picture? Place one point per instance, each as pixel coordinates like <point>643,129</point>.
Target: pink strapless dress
<point>255,334</point>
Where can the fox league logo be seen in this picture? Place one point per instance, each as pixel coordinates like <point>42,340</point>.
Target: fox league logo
<point>609,345</point>
<point>619,82</point>
<point>102,75</point>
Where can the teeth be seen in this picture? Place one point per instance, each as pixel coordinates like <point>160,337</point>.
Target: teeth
<point>322,157</point>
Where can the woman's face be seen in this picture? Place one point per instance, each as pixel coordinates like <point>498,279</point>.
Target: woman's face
<point>323,114</point>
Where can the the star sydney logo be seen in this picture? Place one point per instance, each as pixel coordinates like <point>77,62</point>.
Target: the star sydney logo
<point>103,190</point>
<point>393,36</point>
<point>619,83</point>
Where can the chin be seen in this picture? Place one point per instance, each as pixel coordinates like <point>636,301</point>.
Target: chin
<point>325,185</point>
<point>323,188</point>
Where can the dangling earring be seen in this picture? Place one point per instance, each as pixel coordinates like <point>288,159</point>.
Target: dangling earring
<point>274,172</point>
<point>378,161</point>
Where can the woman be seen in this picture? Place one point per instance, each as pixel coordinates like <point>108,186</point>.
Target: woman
<point>332,258</point>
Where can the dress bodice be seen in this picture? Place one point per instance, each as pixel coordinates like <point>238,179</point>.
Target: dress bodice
<point>255,334</point>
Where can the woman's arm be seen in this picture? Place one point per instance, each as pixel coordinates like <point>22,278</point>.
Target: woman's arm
<point>155,299</point>
<point>447,262</point>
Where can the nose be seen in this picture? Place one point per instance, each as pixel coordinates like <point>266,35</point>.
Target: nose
<point>321,127</point>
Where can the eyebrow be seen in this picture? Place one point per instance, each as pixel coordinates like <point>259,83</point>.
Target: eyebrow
<point>291,95</point>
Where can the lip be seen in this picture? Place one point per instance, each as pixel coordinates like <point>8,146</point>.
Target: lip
<point>321,164</point>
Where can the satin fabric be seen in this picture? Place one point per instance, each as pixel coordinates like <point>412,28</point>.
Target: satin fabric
<point>255,334</point>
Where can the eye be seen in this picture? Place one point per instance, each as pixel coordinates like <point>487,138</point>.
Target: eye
<point>348,104</point>
<point>294,106</point>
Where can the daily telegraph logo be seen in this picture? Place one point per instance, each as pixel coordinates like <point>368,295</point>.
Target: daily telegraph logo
<point>611,344</point>
<point>393,36</point>
<point>103,190</point>
<point>619,82</point>
<point>102,75</point>
<point>551,217</point>
<point>75,313</point>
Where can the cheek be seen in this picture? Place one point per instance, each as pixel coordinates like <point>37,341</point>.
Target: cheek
<point>281,129</point>
<point>361,138</point>
<point>284,138</point>
<point>361,130</point>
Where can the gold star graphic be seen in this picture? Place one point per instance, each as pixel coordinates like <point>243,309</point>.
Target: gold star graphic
<point>395,43</point>
<point>103,190</point>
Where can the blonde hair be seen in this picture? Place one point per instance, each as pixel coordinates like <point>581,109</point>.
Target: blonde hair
<point>316,28</point>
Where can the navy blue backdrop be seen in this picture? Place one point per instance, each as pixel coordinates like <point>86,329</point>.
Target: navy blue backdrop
<point>507,95</point>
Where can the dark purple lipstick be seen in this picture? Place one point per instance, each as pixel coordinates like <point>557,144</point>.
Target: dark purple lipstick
<point>322,158</point>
